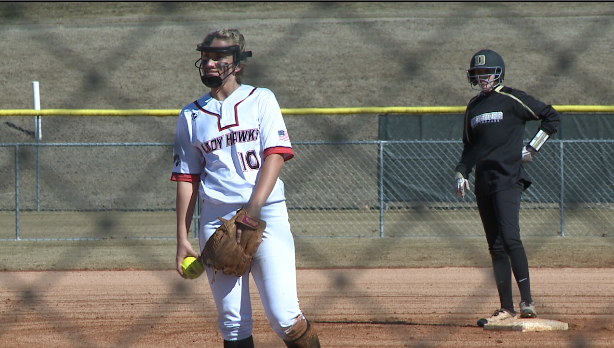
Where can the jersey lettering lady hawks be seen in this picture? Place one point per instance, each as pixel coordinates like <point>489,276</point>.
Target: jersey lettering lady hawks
<point>226,159</point>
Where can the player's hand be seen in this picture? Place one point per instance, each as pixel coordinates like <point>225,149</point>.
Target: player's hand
<point>528,153</point>
<point>460,185</point>
<point>184,249</point>
<point>251,211</point>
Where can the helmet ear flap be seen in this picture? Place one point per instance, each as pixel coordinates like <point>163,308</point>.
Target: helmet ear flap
<point>501,74</point>
<point>471,77</point>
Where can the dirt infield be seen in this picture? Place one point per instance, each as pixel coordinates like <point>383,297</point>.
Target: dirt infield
<point>406,307</point>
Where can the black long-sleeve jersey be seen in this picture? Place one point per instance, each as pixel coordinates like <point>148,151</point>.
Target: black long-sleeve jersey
<point>493,137</point>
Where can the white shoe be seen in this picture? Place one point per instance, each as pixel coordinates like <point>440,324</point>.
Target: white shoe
<point>498,316</point>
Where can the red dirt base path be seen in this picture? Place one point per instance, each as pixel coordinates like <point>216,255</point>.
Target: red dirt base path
<point>427,307</point>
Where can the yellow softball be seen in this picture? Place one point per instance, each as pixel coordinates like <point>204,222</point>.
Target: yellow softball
<point>192,268</point>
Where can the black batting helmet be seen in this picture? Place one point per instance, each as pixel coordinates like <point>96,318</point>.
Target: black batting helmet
<point>486,59</point>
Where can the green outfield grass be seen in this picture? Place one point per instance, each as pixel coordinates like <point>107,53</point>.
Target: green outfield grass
<point>310,253</point>
<point>146,241</point>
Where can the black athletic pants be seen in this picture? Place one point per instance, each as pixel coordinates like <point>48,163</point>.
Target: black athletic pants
<point>500,213</point>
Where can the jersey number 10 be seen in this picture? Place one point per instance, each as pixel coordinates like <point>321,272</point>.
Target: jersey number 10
<point>249,160</point>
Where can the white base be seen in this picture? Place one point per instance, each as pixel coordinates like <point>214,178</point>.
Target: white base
<point>527,325</point>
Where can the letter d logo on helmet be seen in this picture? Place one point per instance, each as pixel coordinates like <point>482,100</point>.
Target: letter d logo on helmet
<point>480,59</point>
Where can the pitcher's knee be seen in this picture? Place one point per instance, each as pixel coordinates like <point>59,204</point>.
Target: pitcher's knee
<point>300,334</point>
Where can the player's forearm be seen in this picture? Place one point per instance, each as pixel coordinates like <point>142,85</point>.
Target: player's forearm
<point>187,194</point>
<point>266,182</point>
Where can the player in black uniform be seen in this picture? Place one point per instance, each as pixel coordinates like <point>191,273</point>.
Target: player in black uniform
<point>493,142</point>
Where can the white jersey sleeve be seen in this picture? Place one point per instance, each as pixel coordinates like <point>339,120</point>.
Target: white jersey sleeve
<point>273,131</point>
<point>187,161</point>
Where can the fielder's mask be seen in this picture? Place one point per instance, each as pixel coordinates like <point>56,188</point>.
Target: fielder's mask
<point>224,69</point>
<point>490,61</point>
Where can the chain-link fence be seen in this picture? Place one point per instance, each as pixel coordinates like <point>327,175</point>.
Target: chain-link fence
<point>135,55</point>
<point>334,189</point>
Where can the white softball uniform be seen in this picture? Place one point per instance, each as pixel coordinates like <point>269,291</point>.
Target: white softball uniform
<point>223,144</point>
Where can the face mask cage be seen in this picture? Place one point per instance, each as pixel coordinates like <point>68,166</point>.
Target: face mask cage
<point>224,69</point>
<point>476,80</point>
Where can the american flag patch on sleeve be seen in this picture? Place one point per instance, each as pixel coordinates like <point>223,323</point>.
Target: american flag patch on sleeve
<point>283,135</point>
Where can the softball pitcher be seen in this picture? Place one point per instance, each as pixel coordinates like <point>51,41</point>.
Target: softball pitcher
<point>230,146</point>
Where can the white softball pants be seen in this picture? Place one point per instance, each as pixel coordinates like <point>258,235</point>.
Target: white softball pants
<point>273,270</point>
